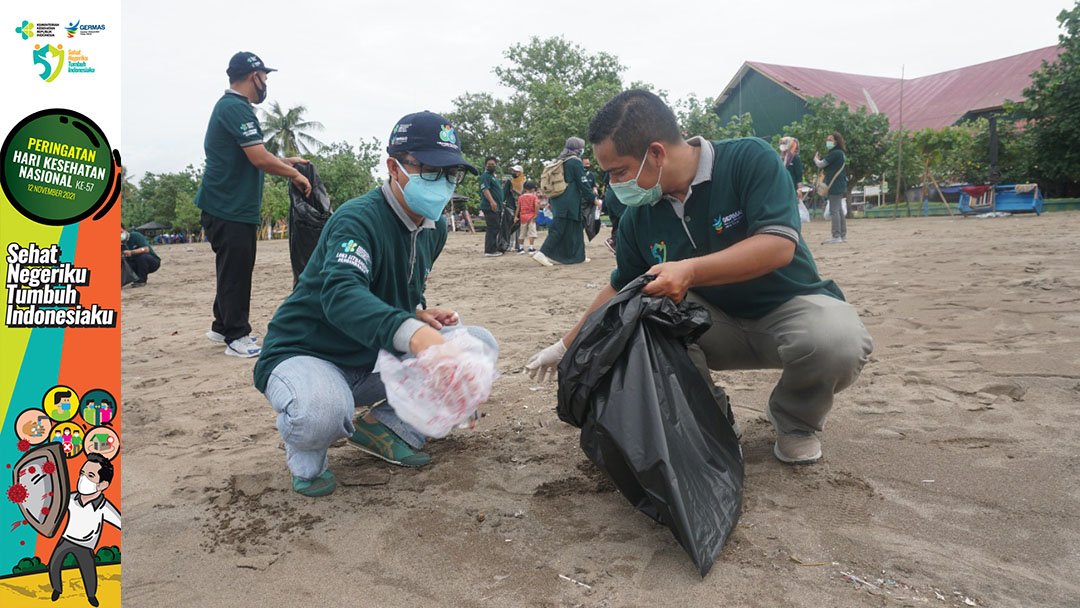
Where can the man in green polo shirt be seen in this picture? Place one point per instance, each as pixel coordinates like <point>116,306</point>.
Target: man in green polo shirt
<point>139,255</point>
<point>718,224</point>
<point>491,202</point>
<point>230,197</point>
<point>362,292</point>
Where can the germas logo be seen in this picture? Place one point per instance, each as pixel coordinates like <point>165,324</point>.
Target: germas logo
<point>51,58</point>
<point>72,28</point>
<point>26,30</point>
<point>659,252</point>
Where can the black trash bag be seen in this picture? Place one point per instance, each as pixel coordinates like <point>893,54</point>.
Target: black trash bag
<point>651,421</point>
<point>589,220</point>
<point>307,216</point>
<point>506,228</point>
<point>127,274</point>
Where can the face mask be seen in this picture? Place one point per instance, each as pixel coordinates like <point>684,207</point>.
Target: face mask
<point>428,198</point>
<point>491,169</point>
<point>123,236</point>
<point>633,195</point>
<point>830,145</point>
<point>86,487</point>
<point>261,92</point>
<point>784,147</point>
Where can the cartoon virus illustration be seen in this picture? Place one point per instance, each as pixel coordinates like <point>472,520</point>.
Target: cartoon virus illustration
<point>23,445</point>
<point>48,468</point>
<point>17,493</point>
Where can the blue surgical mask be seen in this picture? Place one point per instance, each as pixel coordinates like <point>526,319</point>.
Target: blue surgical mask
<point>633,195</point>
<point>830,145</point>
<point>428,198</point>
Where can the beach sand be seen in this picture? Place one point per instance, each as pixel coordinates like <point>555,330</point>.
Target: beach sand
<point>951,474</point>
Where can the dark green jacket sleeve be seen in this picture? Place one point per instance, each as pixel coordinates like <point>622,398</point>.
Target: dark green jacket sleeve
<point>348,277</point>
<point>763,185</point>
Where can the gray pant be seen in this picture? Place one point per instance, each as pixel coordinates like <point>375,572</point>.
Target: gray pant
<point>839,219</point>
<point>84,556</point>
<point>817,340</point>
<point>316,400</point>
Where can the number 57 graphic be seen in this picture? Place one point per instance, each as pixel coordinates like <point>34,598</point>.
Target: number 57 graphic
<point>49,73</point>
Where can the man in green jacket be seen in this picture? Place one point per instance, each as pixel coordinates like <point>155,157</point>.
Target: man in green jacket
<point>362,292</point>
<point>491,203</point>
<point>717,223</point>
<point>139,255</point>
<point>230,197</point>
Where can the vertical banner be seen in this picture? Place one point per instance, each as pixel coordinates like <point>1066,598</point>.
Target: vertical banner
<point>60,402</point>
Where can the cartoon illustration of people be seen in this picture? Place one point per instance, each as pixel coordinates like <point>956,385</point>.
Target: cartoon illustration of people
<point>90,412</point>
<point>58,436</point>
<point>88,510</point>
<point>62,403</point>
<point>76,441</point>
<point>105,412</point>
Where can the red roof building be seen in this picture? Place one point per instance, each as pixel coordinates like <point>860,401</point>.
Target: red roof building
<point>775,95</point>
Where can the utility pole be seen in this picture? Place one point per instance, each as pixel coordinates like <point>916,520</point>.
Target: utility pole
<point>900,148</point>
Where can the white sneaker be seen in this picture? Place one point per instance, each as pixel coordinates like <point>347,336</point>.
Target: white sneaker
<point>245,347</point>
<point>493,255</point>
<point>542,259</point>
<point>214,336</point>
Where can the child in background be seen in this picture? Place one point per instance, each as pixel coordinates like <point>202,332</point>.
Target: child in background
<point>528,207</point>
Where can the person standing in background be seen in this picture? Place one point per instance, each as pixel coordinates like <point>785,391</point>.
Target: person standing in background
<point>230,197</point>
<point>491,201</point>
<point>834,165</point>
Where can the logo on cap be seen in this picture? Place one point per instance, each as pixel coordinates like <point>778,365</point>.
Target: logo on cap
<point>447,134</point>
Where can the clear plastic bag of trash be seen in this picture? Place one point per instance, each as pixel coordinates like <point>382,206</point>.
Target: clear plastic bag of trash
<point>443,386</point>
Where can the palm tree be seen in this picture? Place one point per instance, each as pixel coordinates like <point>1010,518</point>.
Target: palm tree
<point>286,131</point>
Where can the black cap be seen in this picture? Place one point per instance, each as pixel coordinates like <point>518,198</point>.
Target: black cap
<point>430,138</point>
<point>530,185</point>
<point>244,63</point>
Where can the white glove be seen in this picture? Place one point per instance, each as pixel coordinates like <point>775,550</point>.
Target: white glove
<point>543,365</point>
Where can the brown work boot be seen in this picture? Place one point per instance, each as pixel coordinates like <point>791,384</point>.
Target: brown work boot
<point>797,449</point>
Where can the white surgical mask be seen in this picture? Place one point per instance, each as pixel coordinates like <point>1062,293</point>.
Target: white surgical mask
<point>86,487</point>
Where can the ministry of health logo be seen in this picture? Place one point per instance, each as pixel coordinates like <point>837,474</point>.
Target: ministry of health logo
<point>51,60</point>
<point>26,30</point>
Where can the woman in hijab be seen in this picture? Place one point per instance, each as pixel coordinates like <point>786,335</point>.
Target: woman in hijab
<point>565,242</point>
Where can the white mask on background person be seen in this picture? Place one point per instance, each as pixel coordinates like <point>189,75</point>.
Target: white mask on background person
<point>86,487</point>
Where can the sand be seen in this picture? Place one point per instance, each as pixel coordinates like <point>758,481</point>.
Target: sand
<point>950,475</point>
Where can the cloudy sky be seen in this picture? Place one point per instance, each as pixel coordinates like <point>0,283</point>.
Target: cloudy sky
<point>359,66</point>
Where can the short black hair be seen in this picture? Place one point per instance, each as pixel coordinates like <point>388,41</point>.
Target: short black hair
<point>490,158</point>
<point>60,395</point>
<point>634,119</point>
<point>106,472</point>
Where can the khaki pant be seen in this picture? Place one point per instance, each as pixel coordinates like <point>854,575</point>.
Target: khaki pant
<point>817,340</point>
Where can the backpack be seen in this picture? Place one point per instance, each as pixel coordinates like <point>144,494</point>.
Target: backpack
<point>552,181</point>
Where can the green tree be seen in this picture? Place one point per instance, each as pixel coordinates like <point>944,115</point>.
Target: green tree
<point>347,171</point>
<point>159,194</point>
<point>944,153</point>
<point>696,117</point>
<point>288,133</point>
<point>557,87</point>
<point>1051,109</point>
<point>186,213</point>
<point>866,136</point>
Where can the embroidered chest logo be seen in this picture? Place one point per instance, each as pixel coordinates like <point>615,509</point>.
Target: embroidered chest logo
<point>659,252</point>
<point>722,223</point>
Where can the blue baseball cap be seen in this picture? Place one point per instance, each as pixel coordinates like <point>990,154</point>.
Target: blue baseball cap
<point>244,63</point>
<point>430,138</point>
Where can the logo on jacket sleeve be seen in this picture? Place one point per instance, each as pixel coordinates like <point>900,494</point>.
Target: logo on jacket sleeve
<point>354,255</point>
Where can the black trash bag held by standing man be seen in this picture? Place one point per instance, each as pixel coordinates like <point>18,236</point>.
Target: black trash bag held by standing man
<point>307,216</point>
<point>651,421</point>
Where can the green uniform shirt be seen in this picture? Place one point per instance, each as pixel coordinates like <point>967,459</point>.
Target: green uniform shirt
<point>231,186</point>
<point>795,170</point>
<point>612,205</point>
<point>364,281</point>
<point>833,161</point>
<point>136,240</point>
<point>489,182</point>
<point>742,191</point>
<point>578,192</point>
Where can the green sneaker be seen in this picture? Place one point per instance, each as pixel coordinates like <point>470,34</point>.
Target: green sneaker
<point>323,485</point>
<point>379,441</point>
